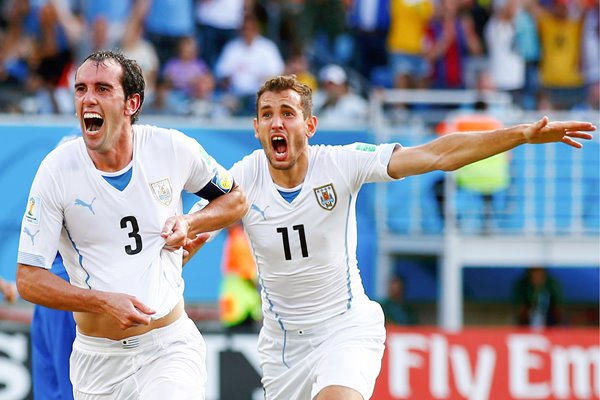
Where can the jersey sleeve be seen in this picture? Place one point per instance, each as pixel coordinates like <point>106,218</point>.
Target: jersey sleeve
<point>237,172</point>
<point>247,170</point>
<point>366,162</point>
<point>42,221</point>
<point>206,177</point>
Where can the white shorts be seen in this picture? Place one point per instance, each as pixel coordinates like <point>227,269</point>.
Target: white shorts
<point>165,363</point>
<point>344,351</point>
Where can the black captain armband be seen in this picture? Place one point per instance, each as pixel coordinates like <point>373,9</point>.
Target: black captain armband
<point>221,183</point>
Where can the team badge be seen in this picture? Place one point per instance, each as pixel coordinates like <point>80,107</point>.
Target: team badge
<point>326,196</point>
<point>162,191</point>
<point>223,180</point>
<point>32,213</point>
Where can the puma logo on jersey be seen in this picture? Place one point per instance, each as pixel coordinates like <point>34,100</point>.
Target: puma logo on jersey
<point>258,210</point>
<point>31,235</point>
<point>82,203</point>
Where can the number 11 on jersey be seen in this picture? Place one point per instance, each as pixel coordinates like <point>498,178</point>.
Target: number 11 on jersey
<point>286,241</point>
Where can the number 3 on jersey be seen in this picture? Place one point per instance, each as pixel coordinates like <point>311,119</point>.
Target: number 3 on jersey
<point>130,222</point>
<point>286,241</point>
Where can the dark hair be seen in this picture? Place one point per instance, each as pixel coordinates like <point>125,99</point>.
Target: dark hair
<point>132,79</point>
<point>285,82</point>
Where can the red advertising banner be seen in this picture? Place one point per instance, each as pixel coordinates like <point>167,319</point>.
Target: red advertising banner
<point>498,363</point>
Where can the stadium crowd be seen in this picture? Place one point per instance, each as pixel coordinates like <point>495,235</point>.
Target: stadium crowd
<point>208,57</point>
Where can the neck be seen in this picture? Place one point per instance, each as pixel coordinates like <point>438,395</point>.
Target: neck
<point>117,156</point>
<point>293,176</point>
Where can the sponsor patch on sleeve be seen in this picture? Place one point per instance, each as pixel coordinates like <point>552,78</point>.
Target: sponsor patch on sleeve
<point>366,147</point>
<point>207,157</point>
<point>32,213</point>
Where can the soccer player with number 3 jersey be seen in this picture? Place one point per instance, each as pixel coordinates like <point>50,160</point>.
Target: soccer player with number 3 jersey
<point>110,203</point>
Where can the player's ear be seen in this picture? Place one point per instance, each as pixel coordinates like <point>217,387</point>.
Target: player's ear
<point>311,126</point>
<point>132,104</point>
<point>255,123</point>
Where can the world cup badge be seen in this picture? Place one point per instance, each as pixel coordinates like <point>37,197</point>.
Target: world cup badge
<point>326,196</point>
<point>32,213</point>
<point>162,191</point>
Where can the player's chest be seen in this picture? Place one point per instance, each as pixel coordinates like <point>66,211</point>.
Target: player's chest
<point>96,205</point>
<point>317,217</point>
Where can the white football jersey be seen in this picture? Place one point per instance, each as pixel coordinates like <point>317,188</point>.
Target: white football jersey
<point>305,250</point>
<point>110,239</point>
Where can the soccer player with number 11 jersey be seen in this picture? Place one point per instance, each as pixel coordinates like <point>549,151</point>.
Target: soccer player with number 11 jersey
<point>322,337</point>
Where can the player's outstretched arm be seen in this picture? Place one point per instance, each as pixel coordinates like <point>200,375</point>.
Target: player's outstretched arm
<point>452,151</point>
<point>40,286</point>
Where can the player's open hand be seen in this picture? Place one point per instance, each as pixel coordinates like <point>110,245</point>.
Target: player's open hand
<point>544,131</point>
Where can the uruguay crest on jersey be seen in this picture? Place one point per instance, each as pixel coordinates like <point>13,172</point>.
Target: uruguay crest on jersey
<point>162,191</point>
<point>326,196</point>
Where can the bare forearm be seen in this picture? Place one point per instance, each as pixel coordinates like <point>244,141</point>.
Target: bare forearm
<point>452,151</point>
<point>459,149</point>
<point>42,287</point>
<point>219,213</point>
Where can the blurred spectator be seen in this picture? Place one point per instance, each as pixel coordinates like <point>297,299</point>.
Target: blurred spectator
<point>406,42</point>
<point>206,102</point>
<point>217,22</point>
<point>286,26</point>
<point>538,299</point>
<point>506,64</point>
<point>369,23</point>
<point>245,63</point>
<point>297,64</point>
<point>591,53</point>
<point>240,303</point>
<point>186,67</point>
<point>527,43</point>
<point>98,40</point>
<point>335,102</point>
<point>327,39</point>
<point>15,50</point>
<point>166,22</point>
<point>135,46</point>
<point>8,290</point>
<point>395,308</point>
<point>486,177</point>
<point>452,39</point>
<point>478,13</point>
<point>54,32</point>
<point>165,101</point>
<point>560,37</point>
<point>104,23</point>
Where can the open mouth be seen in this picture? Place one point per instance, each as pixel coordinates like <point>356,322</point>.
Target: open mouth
<point>279,144</point>
<point>93,122</point>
